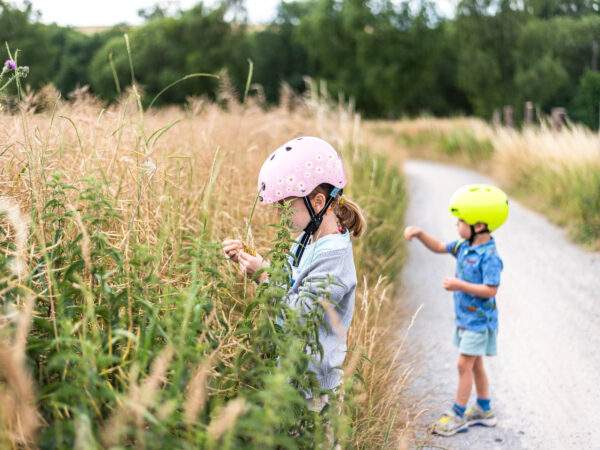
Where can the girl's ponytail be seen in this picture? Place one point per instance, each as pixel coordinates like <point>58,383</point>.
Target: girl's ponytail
<point>348,213</point>
<point>350,216</point>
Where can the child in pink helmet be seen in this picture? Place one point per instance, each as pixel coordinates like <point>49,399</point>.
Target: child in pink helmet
<point>308,173</point>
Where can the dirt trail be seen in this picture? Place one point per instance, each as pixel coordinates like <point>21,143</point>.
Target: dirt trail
<point>545,379</point>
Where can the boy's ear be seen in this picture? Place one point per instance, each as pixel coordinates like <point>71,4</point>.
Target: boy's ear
<point>480,227</point>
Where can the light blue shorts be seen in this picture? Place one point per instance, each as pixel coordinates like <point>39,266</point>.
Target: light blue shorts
<point>474,343</point>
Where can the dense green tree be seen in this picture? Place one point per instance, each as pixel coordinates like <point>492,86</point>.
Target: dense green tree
<point>543,81</point>
<point>550,8</point>
<point>392,58</point>
<point>21,30</point>
<point>485,35</point>
<point>168,48</point>
<point>586,105</point>
<point>277,54</point>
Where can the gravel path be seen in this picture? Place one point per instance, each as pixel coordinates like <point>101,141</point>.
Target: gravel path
<point>545,380</point>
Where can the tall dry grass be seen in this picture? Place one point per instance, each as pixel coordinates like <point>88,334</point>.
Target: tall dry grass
<point>142,333</point>
<point>555,172</point>
<point>461,140</point>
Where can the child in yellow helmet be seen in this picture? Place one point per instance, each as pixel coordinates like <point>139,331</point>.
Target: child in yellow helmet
<point>480,209</point>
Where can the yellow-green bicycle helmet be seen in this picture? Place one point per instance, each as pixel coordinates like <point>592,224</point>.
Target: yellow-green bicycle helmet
<point>483,203</point>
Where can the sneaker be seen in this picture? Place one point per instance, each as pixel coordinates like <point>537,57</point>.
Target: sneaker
<point>477,416</point>
<point>449,424</point>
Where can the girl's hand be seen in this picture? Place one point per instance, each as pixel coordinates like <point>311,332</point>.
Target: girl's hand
<point>232,249</point>
<point>411,232</point>
<point>452,284</point>
<point>251,264</point>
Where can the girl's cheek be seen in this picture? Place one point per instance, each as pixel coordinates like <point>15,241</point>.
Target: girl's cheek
<point>299,221</point>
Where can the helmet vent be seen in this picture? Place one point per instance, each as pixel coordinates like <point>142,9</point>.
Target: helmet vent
<point>288,148</point>
<point>263,186</point>
<point>273,157</point>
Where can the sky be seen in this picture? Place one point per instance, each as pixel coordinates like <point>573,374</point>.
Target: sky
<point>87,13</point>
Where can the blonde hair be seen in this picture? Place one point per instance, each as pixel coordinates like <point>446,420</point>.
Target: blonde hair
<point>348,213</point>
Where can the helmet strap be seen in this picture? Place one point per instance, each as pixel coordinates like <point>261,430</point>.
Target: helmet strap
<point>315,222</point>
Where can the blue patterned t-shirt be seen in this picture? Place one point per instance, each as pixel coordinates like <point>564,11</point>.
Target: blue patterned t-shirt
<point>480,264</point>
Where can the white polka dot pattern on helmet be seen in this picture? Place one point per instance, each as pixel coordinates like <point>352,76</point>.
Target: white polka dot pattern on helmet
<point>297,167</point>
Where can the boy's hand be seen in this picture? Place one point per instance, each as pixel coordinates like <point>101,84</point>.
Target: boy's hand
<point>452,284</point>
<point>411,232</point>
<point>232,248</point>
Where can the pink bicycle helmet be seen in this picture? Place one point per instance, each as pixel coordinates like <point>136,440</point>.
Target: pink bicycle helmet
<point>297,167</point>
<point>294,170</point>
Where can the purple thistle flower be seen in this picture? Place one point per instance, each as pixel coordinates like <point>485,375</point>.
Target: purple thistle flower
<point>10,64</point>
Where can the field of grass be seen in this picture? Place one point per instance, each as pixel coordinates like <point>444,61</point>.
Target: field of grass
<point>554,172</point>
<point>463,141</point>
<point>123,326</point>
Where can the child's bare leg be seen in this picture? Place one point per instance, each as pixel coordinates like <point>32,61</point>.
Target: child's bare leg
<point>465,378</point>
<point>481,379</point>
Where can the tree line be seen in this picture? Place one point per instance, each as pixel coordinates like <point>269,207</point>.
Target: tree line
<point>392,58</point>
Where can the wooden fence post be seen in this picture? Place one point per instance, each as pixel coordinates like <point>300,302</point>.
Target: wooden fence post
<point>528,113</point>
<point>558,118</point>
<point>496,119</point>
<point>508,113</point>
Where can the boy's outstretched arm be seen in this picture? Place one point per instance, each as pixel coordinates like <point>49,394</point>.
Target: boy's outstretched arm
<point>476,290</point>
<point>428,241</point>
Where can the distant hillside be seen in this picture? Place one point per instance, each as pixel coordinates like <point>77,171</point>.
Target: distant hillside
<point>93,30</point>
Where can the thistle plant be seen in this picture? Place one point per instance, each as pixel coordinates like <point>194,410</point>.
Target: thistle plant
<point>12,72</point>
